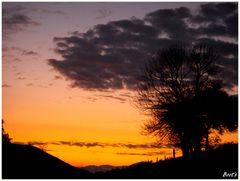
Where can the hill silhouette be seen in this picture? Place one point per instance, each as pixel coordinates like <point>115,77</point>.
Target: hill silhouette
<point>26,161</point>
<point>29,162</point>
<point>214,164</point>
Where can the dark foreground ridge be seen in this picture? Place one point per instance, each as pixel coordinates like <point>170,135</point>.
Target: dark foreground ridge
<point>221,163</point>
<point>25,161</point>
<point>29,162</point>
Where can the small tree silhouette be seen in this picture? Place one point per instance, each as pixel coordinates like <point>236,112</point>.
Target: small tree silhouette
<point>43,147</point>
<point>5,136</point>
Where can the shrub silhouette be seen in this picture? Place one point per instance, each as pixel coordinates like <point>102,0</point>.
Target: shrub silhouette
<point>5,136</point>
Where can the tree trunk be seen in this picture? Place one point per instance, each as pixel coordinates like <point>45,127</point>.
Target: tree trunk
<point>197,147</point>
<point>197,142</point>
<point>185,152</point>
<point>185,146</point>
<point>206,144</point>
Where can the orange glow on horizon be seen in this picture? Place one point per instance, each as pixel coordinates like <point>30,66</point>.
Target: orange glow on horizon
<point>44,117</point>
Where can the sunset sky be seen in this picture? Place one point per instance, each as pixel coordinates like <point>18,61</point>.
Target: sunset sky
<point>70,71</point>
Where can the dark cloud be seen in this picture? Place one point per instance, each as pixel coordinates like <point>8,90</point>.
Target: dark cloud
<point>25,52</point>
<point>57,77</point>
<point>216,11</point>
<point>21,78</point>
<point>37,143</point>
<point>171,22</point>
<point>91,99</point>
<point>14,19</point>
<point>214,30</point>
<point>143,146</point>
<point>113,97</point>
<point>21,51</point>
<point>126,95</point>
<point>16,22</point>
<point>81,144</point>
<point>223,48</point>
<point>6,86</point>
<point>110,56</point>
<point>30,85</point>
<point>222,18</point>
<point>100,144</point>
<point>232,25</point>
<point>145,154</point>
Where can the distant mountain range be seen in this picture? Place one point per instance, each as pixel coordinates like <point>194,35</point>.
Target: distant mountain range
<point>100,168</point>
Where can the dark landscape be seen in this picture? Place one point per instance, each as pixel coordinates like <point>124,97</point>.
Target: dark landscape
<point>29,162</point>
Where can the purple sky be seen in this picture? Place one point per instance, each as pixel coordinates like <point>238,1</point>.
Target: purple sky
<point>110,40</point>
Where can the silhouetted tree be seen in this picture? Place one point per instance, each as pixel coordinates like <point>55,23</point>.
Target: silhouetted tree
<point>5,136</point>
<point>215,109</point>
<point>173,80</point>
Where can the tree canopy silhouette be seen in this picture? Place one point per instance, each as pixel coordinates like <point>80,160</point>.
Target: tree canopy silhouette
<point>182,92</point>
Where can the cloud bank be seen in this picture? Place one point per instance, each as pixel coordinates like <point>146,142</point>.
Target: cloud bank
<point>101,144</point>
<point>110,56</point>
